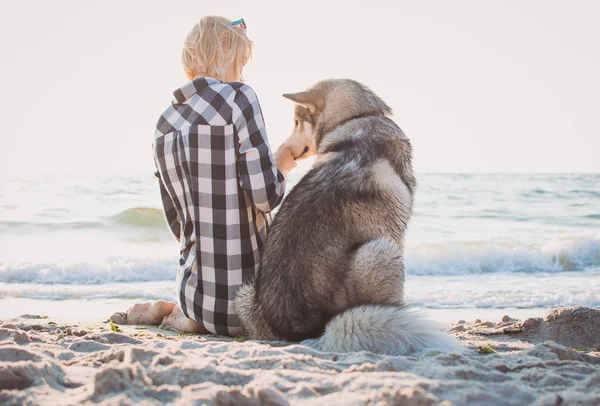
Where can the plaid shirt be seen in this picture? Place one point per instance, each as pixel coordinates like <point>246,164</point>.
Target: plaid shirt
<point>218,181</point>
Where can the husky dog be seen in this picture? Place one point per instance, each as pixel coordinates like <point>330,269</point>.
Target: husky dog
<point>332,270</point>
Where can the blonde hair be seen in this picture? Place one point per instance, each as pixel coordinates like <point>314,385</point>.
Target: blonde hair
<point>212,45</point>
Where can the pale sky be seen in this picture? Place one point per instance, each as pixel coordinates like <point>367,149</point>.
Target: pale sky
<point>478,86</point>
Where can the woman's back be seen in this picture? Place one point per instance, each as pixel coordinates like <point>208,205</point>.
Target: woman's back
<point>217,184</point>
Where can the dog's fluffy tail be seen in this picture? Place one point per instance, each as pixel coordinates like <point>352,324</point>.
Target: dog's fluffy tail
<point>392,330</point>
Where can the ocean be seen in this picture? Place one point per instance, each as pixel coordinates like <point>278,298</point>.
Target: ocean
<point>517,243</point>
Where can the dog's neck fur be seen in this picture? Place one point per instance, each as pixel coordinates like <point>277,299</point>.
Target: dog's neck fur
<point>337,145</point>
<point>356,117</point>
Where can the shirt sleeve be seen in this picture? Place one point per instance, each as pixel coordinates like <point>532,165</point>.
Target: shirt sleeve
<point>259,176</point>
<point>169,209</point>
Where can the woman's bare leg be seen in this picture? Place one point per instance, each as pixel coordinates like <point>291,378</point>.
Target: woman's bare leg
<point>177,321</point>
<point>151,313</point>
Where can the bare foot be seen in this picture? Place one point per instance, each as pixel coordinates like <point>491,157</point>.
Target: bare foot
<point>119,318</point>
<point>178,322</point>
<point>145,313</point>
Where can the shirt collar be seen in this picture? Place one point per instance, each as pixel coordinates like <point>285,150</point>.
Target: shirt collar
<point>194,87</point>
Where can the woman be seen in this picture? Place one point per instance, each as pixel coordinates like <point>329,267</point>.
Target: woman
<point>218,182</point>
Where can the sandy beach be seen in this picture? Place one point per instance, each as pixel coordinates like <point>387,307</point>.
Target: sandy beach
<point>553,359</point>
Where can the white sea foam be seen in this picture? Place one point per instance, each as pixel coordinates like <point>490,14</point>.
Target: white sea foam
<point>486,258</point>
<point>110,270</point>
<point>505,290</point>
<point>165,290</point>
<point>492,291</point>
<point>441,277</point>
<point>421,259</point>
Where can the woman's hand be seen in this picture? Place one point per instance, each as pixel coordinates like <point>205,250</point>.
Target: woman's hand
<point>284,160</point>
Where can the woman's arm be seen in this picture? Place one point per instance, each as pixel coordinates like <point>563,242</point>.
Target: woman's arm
<point>169,209</point>
<point>259,175</point>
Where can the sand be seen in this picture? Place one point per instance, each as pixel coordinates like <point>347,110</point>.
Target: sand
<point>550,360</point>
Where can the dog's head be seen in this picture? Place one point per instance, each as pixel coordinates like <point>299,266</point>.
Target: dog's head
<point>325,106</point>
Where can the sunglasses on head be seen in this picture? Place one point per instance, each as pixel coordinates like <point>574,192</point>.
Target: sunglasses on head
<point>238,22</point>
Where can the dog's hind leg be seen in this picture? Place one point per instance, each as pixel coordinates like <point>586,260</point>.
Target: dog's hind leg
<point>378,321</point>
<point>255,326</point>
<point>376,274</point>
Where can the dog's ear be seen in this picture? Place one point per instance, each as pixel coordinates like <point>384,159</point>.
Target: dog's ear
<point>310,100</point>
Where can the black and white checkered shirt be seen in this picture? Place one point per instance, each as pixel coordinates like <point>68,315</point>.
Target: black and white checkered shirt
<point>218,181</point>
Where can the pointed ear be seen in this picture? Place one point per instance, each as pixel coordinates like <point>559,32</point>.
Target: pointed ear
<point>305,99</point>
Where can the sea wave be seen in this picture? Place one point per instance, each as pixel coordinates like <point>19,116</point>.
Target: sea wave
<point>123,291</point>
<point>421,259</point>
<point>35,226</point>
<point>109,270</point>
<point>141,217</point>
<point>485,258</point>
<point>145,217</point>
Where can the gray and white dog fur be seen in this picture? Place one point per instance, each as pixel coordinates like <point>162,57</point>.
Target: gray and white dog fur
<point>332,269</point>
